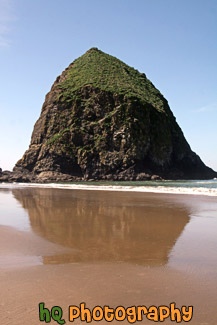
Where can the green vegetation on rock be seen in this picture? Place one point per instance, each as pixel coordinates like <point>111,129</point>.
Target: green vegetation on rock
<point>107,73</point>
<point>56,136</point>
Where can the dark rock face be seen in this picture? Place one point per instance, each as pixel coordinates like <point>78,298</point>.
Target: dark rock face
<point>105,120</point>
<point>21,175</point>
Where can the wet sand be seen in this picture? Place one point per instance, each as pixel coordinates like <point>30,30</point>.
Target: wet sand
<point>64,247</point>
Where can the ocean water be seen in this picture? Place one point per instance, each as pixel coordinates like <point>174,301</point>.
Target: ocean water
<point>196,187</point>
<point>212,184</point>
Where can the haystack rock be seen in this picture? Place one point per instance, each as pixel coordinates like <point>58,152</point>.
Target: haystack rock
<point>105,120</point>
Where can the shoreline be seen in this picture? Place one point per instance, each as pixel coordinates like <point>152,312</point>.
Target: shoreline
<point>120,188</point>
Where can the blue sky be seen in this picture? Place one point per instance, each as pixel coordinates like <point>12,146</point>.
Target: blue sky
<point>172,42</point>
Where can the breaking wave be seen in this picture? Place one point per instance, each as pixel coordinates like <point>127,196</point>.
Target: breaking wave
<point>208,188</point>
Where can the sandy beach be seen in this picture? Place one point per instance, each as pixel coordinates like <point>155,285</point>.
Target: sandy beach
<point>63,247</point>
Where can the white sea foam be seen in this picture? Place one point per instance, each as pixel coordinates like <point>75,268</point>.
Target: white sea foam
<point>145,189</point>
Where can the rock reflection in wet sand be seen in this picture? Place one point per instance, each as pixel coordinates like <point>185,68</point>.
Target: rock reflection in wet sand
<point>104,226</point>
